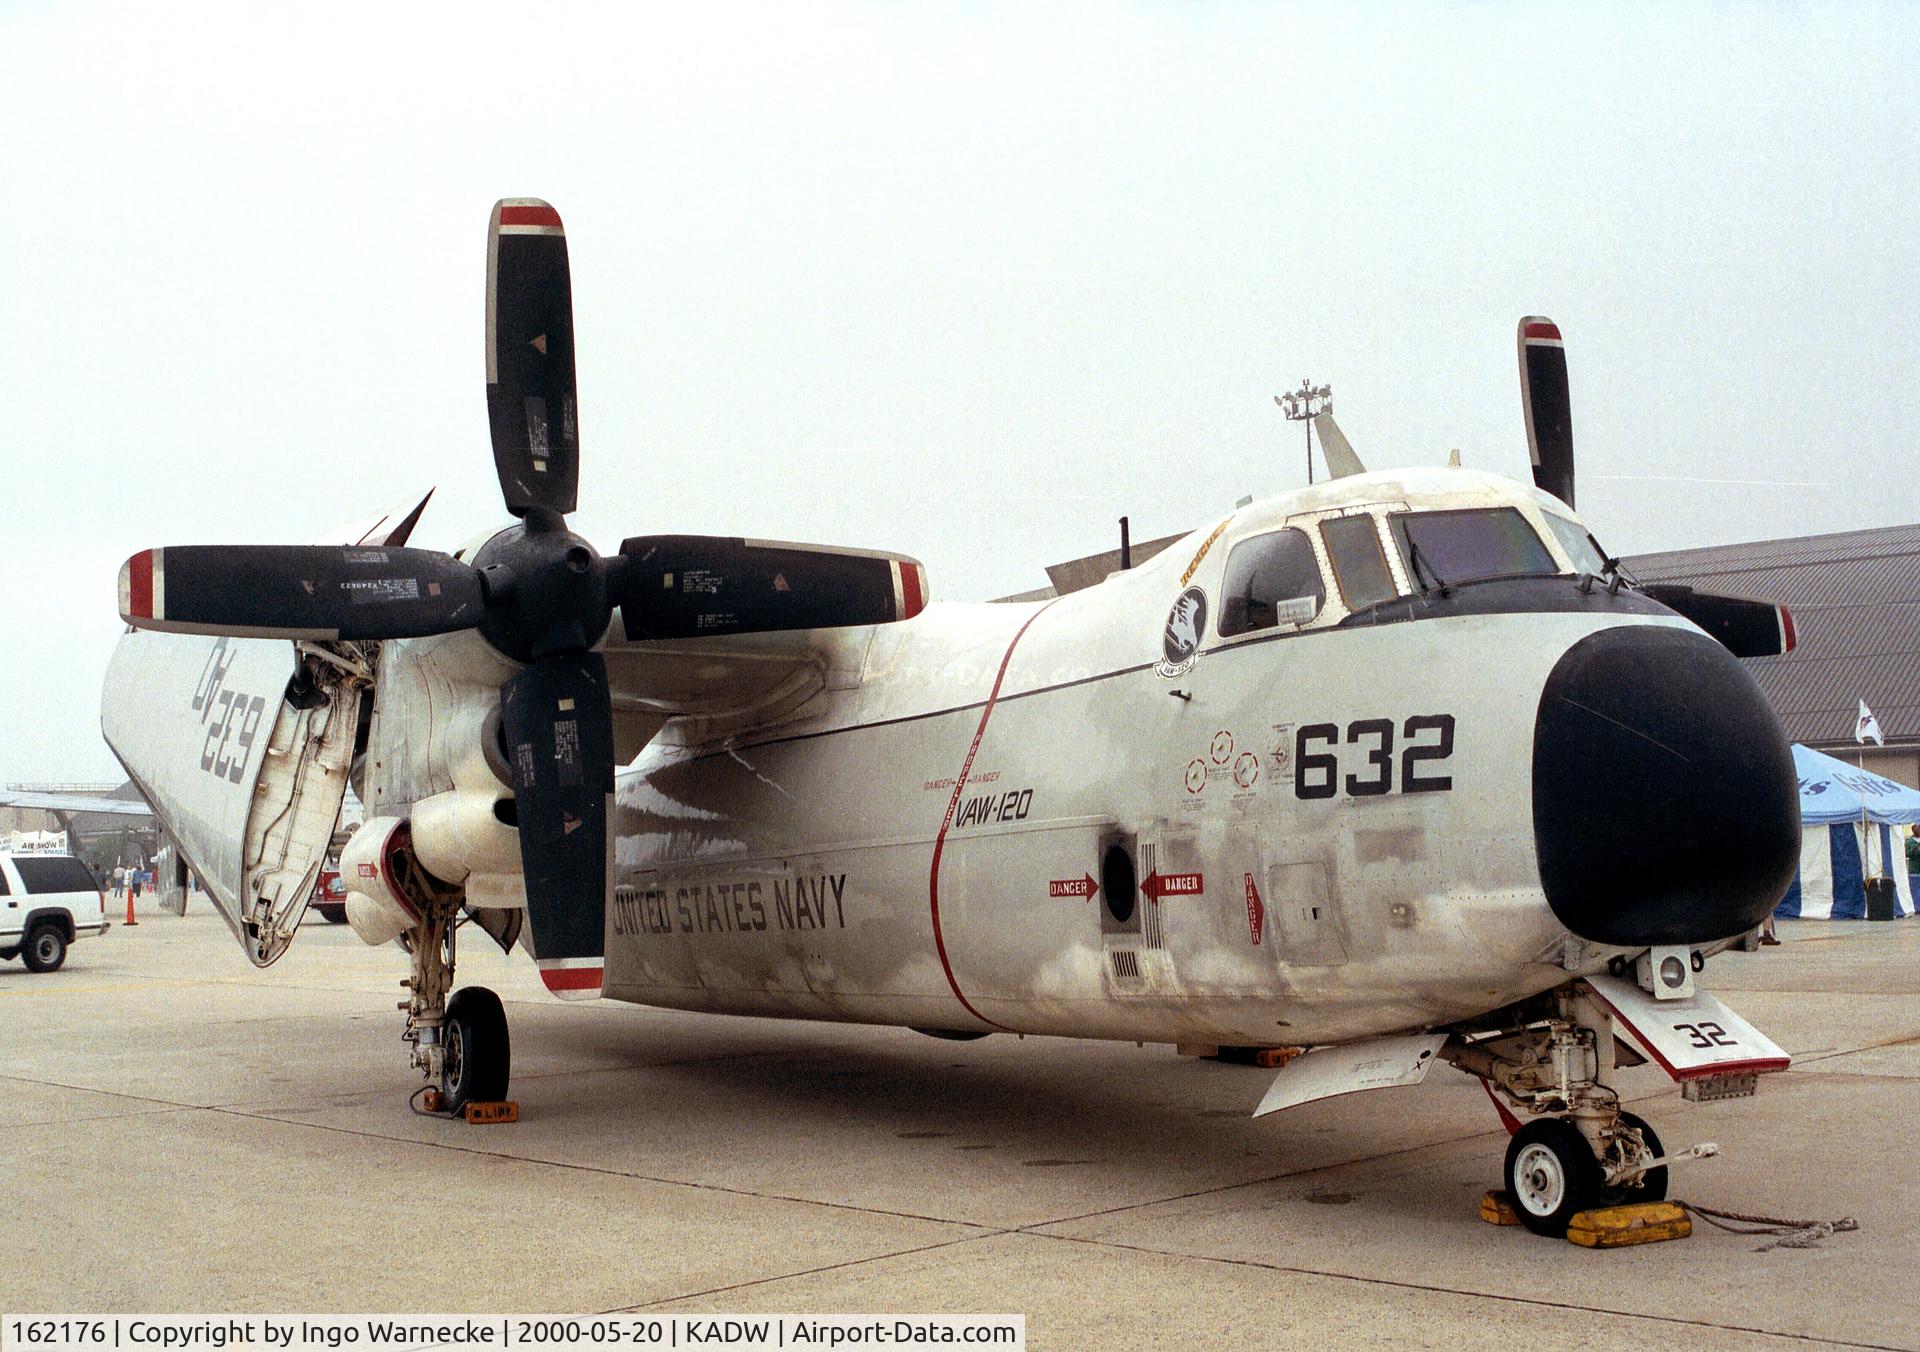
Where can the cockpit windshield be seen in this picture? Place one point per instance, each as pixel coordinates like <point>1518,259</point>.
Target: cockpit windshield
<point>1359,566</point>
<point>1445,549</point>
<point>1579,544</point>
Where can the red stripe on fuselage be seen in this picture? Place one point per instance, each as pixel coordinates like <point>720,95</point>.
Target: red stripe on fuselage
<point>953,804</point>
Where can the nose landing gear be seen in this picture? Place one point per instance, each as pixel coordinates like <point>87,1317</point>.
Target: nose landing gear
<point>1582,1151</point>
<point>1551,1174</point>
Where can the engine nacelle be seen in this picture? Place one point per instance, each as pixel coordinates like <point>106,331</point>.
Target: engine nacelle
<point>375,866</point>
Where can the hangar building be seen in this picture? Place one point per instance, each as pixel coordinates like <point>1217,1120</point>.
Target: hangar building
<point>1855,598</point>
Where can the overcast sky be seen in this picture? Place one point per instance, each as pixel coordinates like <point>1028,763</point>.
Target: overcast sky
<point>967,282</point>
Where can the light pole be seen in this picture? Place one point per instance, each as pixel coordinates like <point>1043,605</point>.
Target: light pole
<point>1301,405</point>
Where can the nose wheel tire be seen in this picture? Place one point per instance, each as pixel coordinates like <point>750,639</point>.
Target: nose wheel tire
<point>1551,1174</point>
<point>476,1054</point>
<point>45,949</point>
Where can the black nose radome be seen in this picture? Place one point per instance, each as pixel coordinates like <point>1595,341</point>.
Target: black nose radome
<point>1665,806</point>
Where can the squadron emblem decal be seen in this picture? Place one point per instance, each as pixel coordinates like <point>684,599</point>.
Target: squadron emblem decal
<point>1180,642</point>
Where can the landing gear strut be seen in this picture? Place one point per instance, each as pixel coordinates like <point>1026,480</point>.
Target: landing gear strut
<point>1582,1150</point>
<point>461,1042</point>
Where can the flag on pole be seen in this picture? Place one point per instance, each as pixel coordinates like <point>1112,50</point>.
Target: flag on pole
<point>1868,726</point>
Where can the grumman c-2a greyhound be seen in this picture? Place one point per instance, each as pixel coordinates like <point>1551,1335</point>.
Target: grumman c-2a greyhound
<point>1399,766</point>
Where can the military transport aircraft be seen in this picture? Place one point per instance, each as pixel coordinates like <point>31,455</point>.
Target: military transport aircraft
<point>1400,766</point>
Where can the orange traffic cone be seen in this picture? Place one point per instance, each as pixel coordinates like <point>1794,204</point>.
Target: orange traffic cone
<point>130,919</point>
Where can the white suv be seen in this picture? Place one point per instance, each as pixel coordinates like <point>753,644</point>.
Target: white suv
<point>46,902</point>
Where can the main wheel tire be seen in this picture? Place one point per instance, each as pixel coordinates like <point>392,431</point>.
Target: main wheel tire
<point>1551,1174</point>
<point>1652,1186</point>
<point>477,1054</point>
<point>334,913</point>
<point>45,949</point>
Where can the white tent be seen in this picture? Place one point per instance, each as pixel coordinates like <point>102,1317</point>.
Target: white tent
<point>1847,817</point>
<point>1835,862</point>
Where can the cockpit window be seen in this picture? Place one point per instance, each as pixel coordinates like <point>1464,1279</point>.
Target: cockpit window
<point>1353,543</point>
<point>1271,580</point>
<point>1444,549</point>
<point>1575,539</point>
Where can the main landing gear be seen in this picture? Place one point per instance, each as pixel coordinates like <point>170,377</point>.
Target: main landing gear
<point>1582,1150</point>
<point>461,1041</point>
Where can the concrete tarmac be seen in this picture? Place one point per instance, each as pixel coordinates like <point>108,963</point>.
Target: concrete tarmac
<point>179,1132</point>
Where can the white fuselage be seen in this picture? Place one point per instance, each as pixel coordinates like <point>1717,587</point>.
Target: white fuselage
<point>917,846</point>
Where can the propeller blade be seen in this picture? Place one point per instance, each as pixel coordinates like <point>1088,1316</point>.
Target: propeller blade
<point>1341,461</point>
<point>300,591</point>
<point>1743,626</point>
<point>699,586</point>
<point>557,720</point>
<point>531,405</point>
<point>1549,409</point>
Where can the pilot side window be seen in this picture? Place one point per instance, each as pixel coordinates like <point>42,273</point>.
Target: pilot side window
<point>1271,580</point>
<point>1580,545</point>
<point>1445,549</point>
<point>1353,543</point>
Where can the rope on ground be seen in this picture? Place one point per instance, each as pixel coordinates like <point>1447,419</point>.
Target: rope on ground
<point>1789,1234</point>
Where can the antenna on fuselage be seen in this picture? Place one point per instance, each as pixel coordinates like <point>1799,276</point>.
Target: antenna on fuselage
<point>1126,546</point>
